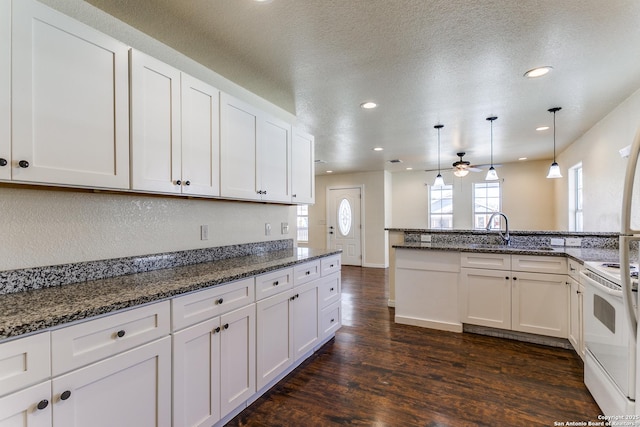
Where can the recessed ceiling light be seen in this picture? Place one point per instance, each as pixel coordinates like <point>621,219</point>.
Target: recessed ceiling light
<point>409,169</point>
<point>522,158</point>
<point>538,71</point>
<point>263,1</point>
<point>368,105</point>
<point>541,128</point>
<point>378,149</point>
<point>329,171</point>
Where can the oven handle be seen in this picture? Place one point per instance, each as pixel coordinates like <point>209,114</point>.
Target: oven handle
<point>602,288</point>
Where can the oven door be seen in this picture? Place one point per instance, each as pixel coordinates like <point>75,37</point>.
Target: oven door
<point>606,333</point>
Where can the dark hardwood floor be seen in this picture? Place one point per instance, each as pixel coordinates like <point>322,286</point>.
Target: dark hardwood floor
<point>378,373</point>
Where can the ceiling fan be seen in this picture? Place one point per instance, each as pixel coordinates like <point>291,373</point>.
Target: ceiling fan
<point>463,167</point>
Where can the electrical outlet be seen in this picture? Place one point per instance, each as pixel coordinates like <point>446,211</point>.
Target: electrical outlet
<point>204,232</point>
<point>284,228</point>
<point>267,229</point>
<point>557,242</point>
<point>573,241</point>
<point>425,238</point>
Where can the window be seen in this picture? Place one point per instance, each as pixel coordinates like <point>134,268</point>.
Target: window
<point>487,199</point>
<point>575,198</point>
<point>303,223</point>
<point>441,207</point>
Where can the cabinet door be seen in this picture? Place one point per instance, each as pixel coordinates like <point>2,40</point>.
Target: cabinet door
<point>238,145</point>
<point>155,125</point>
<point>539,304</point>
<point>302,168</point>
<point>575,313</point>
<point>237,358</point>
<point>274,161</point>
<point>24,361</point>
<point>5,89</point>
<point>130,389</point>
<point>30,407</point>
<point>71,118</point>
<point>485,297</point>
<point>200,138</point>
<point>274,337</point>
<point>196,375</point>
<point>305,318</point>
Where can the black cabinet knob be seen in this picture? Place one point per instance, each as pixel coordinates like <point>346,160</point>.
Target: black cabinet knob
<point>23,164</point>
<point>292,298</point>
<point>276,283</point>
<point>3,162</point>
<point>187,183</point>
<point>178,182</point>
<point>65,395</point>
<point>294,195</point>
<point>506,277</point>
<point>120,333</point>
<point>226,326</point>
<point>220,301</point>
<point>42,404</point>
<point>331,290</point>
<point>515,278</point>
<point>333,320</point>
<point>307,273</point>
<point>216,330</point>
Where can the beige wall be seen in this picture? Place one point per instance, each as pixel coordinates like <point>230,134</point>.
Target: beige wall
<point>48,227</point>
<point>528,197</point>
<point>603,168</point>
<point>374,249</point>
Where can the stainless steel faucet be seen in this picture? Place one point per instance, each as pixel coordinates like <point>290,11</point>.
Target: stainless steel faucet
<point>505,236</point>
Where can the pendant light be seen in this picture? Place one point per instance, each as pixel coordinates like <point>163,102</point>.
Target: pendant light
<point>492,175</point>
<point>439,182</point>
<point>554,170</point>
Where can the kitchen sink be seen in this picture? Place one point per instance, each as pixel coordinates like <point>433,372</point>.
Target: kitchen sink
<point>512,247</point>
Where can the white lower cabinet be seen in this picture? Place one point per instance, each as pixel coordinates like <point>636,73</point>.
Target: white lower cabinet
<point>287,329</point>
<point>130,389</point>
<point>519,300</point>
<point>213,367</point>
<point>30,407</point>
<point>576,320</point>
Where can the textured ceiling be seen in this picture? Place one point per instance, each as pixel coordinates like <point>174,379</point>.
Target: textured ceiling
<point>424,62</point>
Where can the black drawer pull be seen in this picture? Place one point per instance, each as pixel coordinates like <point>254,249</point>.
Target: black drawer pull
<point>219,301</point>
<point>120,333</point>
<point>23,164</point>
<point>65,395</point>
<point>331,290</point>
<point>226,326</point>
<point>216,330</point>
<point>3,162</point>
<point>42,404</point>
<point>276,283</point>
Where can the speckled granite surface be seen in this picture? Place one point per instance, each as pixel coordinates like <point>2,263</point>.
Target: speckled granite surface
<point>64,274</point>
<point>579,254</point>
<point>34,310</point>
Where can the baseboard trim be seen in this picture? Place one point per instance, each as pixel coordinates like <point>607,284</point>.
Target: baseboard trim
<point>443,326</point>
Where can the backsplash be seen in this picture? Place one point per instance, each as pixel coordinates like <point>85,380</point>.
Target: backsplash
<point>26,279</point>
<point>518,238</point>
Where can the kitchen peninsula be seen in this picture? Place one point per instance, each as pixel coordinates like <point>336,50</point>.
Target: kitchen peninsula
<point>468,280</point>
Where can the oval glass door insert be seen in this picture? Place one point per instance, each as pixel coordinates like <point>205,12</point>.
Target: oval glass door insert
<point>344,217</point>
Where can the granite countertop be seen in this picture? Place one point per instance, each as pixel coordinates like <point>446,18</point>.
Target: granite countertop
<point>579,254</point>
<point>26,312</point>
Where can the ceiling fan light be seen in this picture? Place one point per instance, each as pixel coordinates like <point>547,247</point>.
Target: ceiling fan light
<point>439,182</point>
<point>492,175</point>
<point>554,171</point>
<point>461,172</point>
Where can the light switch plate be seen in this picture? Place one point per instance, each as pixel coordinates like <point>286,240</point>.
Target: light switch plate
<point>425,238</point>
<point>557,242</point>
<point>573,241</point>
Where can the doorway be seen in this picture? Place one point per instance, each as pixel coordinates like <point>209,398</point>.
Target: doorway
<point>344,223</point>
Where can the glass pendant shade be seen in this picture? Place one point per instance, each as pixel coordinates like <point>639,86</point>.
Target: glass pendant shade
<point>492,175</point>
<point>439,182</point>
<point>554,171</point>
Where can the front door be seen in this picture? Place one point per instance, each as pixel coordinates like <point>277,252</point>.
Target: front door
<point>344,223</point>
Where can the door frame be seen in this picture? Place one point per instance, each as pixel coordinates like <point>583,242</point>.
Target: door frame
<point>362,216</point>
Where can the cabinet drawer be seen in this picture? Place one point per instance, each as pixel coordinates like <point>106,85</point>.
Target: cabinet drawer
<point>273,283</point>
<point>306,272</point>
<point>330,265</point>
<point>539,264</point>
<point>202,305</point>
<point>330,319</point>
<point>24,361</point>
<point>87,342</point>
<point>329,290</point>
<point>574,268</point>
<point>486,260</point>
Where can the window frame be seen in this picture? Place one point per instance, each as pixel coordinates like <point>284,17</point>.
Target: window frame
<point>576,198</point>
<point>441,216</point>
<point>486,214</point>
<point>301,215</point>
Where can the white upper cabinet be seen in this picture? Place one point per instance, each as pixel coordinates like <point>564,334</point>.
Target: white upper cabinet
<point>5,89</point>
<point>174,128</point>
<point>155,125</point>
<point>302,168</point>
<point>255,153</point>
<point>71,118</point>
<point>200,138</point>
